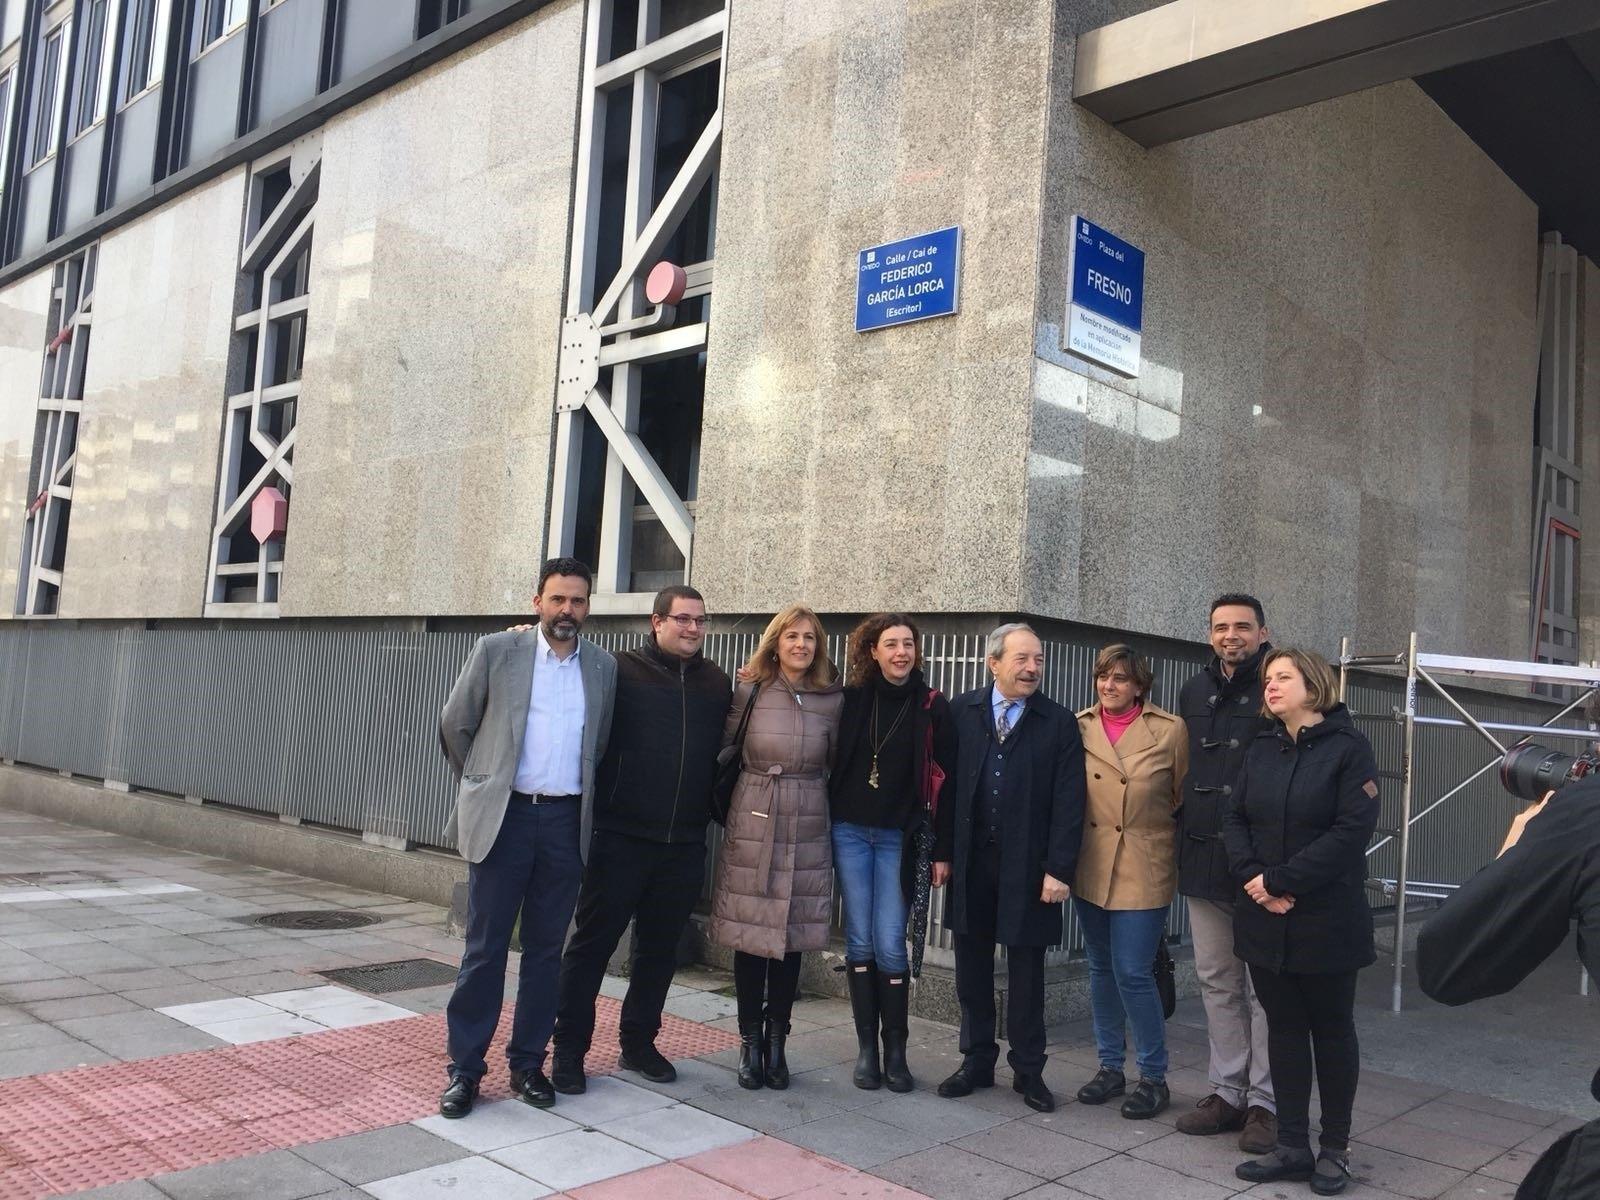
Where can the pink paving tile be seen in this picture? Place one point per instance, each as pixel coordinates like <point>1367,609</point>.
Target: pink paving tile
<point>172,1120</point>
<point>36,1111</point>
<point>669,1181</point>
<point>210,1146</point>
<point>388,1104</point>
<point>768,1168</point>
<point>128,1098</point>
<point>19,1183</point>
<point>301,1128</point>
<point>96,1168</point>
<point>58,1141</point>
<point>253,1106</point>
<point>276,1050</point>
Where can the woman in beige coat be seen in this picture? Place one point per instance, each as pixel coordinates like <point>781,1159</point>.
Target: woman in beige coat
<point>1136,755</point>
<point>774,886</point>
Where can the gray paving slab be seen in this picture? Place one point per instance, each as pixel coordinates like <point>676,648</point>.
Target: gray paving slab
<point>466,1177</point>
<point>856,1140</point>
<point>678,1131</point>
<point>61,987</point>
<point>1054,1191</point>
<point>382,1153</point>
<point>1401,1173</point>
<point>608,1099</point>
<point>1121,1176</point>
<point>100,1005</point>
<point>926,1114</point>
<point>1419,1141</point>
<point>496,1125</point>
<point>41,1059</point>
<point>948,1173</point>
<point>136,1189</point>
<point>275,1175</point>
<point>31,1035</point>
<point>1040,1152</point>
<point>1471,1124</point>
<point>767,1110</point>
<point>1101,1124</point>
<point>570,1160</point>
<point>1473,1187</point>
<point>193,992</point>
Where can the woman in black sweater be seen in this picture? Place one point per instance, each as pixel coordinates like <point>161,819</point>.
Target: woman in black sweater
<point>895,741</point>
<point>1296,836</point>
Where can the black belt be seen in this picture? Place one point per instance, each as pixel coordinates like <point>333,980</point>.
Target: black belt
<point>541,798</point>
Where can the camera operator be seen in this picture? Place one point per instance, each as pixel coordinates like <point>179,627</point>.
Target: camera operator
<point>1510,917</point>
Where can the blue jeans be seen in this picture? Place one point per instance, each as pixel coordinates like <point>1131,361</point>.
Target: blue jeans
<point>1121,947</point>
<point>866,862</point>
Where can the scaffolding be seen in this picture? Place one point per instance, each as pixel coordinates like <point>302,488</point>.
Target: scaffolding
<point>1414,667</point>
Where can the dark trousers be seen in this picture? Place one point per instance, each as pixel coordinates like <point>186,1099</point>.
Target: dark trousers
<point>975,978</point>
<point>652,884</point>
<point>1311,1018</point>
<point>532,872</point>
<point>765,986</point>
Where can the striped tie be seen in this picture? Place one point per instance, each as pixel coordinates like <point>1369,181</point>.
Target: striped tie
<point>1002,723</point>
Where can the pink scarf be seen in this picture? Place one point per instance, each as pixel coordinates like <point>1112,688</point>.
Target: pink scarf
<point>1116,724</point>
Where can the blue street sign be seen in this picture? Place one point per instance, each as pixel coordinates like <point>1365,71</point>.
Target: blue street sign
<point>1107,275</point>
<point>1105,305</point>
<point>909,280</point>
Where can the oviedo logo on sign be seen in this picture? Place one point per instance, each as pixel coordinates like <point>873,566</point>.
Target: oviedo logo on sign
<point>1105,300</point>
<point>910,280</point>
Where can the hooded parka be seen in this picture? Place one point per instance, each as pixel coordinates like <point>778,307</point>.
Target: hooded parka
<point>774,881</point>
<point>1302,816</point>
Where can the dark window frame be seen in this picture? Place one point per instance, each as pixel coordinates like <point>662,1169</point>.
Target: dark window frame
<point>43,125</point>
<point>92,47</point>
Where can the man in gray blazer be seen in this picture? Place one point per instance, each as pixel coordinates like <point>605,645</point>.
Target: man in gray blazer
<point>525,724</point>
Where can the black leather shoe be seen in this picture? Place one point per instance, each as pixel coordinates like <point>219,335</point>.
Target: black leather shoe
<point>1282,1163</point>
<point>531,1087</point>
<point>1105,1084</point>
<point>1331,1174</point>
<point>968,1077</point>
<point>1146,1101</point>
<point>1034,1093</point>
<point>458,1097</point>
<point>649,1062</point>
<point>567,1077</point>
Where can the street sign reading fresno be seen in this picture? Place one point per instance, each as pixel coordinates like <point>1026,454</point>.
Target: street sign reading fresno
<point>1105,303</point>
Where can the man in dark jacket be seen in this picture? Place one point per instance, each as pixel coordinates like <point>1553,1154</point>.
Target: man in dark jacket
<point>1222,708</point>
<point>647,862</point>
<point>1008,843</point>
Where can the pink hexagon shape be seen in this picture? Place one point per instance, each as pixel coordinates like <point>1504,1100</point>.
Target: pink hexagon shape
<point>665,284</point>
<point>269,515</point>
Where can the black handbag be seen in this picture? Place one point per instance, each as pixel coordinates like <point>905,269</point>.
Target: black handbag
<point>730,761</point>
<point>1166,985</point>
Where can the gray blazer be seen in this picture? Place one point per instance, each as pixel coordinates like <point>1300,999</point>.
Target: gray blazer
<point>482,725</point>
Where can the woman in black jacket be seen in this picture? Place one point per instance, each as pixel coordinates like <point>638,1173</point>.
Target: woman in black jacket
<point>1296,837</point>
<point>893,731</point>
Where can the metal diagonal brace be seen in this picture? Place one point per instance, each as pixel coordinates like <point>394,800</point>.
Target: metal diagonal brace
<point>646,472</point>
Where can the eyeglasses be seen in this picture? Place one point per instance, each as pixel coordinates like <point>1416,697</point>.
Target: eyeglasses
<point>686,622</point>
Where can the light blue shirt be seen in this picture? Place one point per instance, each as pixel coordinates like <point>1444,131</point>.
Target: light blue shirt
<point>999,704</point>
<point>552,742</point>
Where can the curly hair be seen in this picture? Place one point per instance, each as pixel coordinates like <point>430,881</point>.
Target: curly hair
<point>863,668</point>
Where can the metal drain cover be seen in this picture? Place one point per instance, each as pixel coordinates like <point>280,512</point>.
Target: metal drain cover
<point>381,978</point>
<point>316,918</point>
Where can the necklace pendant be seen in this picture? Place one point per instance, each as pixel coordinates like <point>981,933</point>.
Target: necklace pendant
<point>872,775</point>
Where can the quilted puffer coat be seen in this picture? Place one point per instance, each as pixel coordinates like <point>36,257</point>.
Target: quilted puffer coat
<point>774,884</point>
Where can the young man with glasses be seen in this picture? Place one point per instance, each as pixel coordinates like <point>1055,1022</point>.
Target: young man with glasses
<point>647,863</point>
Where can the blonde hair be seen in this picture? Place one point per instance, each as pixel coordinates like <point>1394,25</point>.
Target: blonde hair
<point>763,664</point>
<point>1322,685</point>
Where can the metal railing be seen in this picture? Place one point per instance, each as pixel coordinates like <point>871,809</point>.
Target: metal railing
<point>340,727</point>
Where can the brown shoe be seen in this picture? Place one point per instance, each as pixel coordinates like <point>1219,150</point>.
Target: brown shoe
<point>1212,1115</point>
<point>1260,1134</point>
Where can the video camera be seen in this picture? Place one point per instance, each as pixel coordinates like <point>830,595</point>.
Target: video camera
<point>1531,771</point>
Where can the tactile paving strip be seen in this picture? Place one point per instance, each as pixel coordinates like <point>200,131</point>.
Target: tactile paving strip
<point>93,1126</point>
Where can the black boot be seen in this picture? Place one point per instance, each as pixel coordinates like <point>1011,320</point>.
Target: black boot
<point>893,1001</point>
<point>773,1036</point>
<point>863,978</point>
<point>752,1059</point>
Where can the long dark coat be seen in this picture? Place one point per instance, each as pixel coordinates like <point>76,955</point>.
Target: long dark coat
<point>1302,816</point>
<point>1044,801</point>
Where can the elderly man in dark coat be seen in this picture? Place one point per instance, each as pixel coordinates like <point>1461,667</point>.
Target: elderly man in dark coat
<point>1007,845</point>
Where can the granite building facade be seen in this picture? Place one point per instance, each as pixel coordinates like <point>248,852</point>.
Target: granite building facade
<point>369,332</point>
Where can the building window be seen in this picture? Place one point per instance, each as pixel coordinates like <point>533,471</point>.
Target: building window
<point>219,18</point>
<point>55,438</point>
<point>46,96</point>
<point>7,78</point>
<point>255,486</point>
<point>147,39</point>
<point>90,100</point>
<point>433,15</point>
<point>11,20</point>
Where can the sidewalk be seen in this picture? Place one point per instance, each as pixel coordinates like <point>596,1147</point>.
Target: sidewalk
<point>155,1043</point>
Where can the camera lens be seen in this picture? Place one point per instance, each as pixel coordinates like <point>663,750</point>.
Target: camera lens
<point>1530,770</point>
